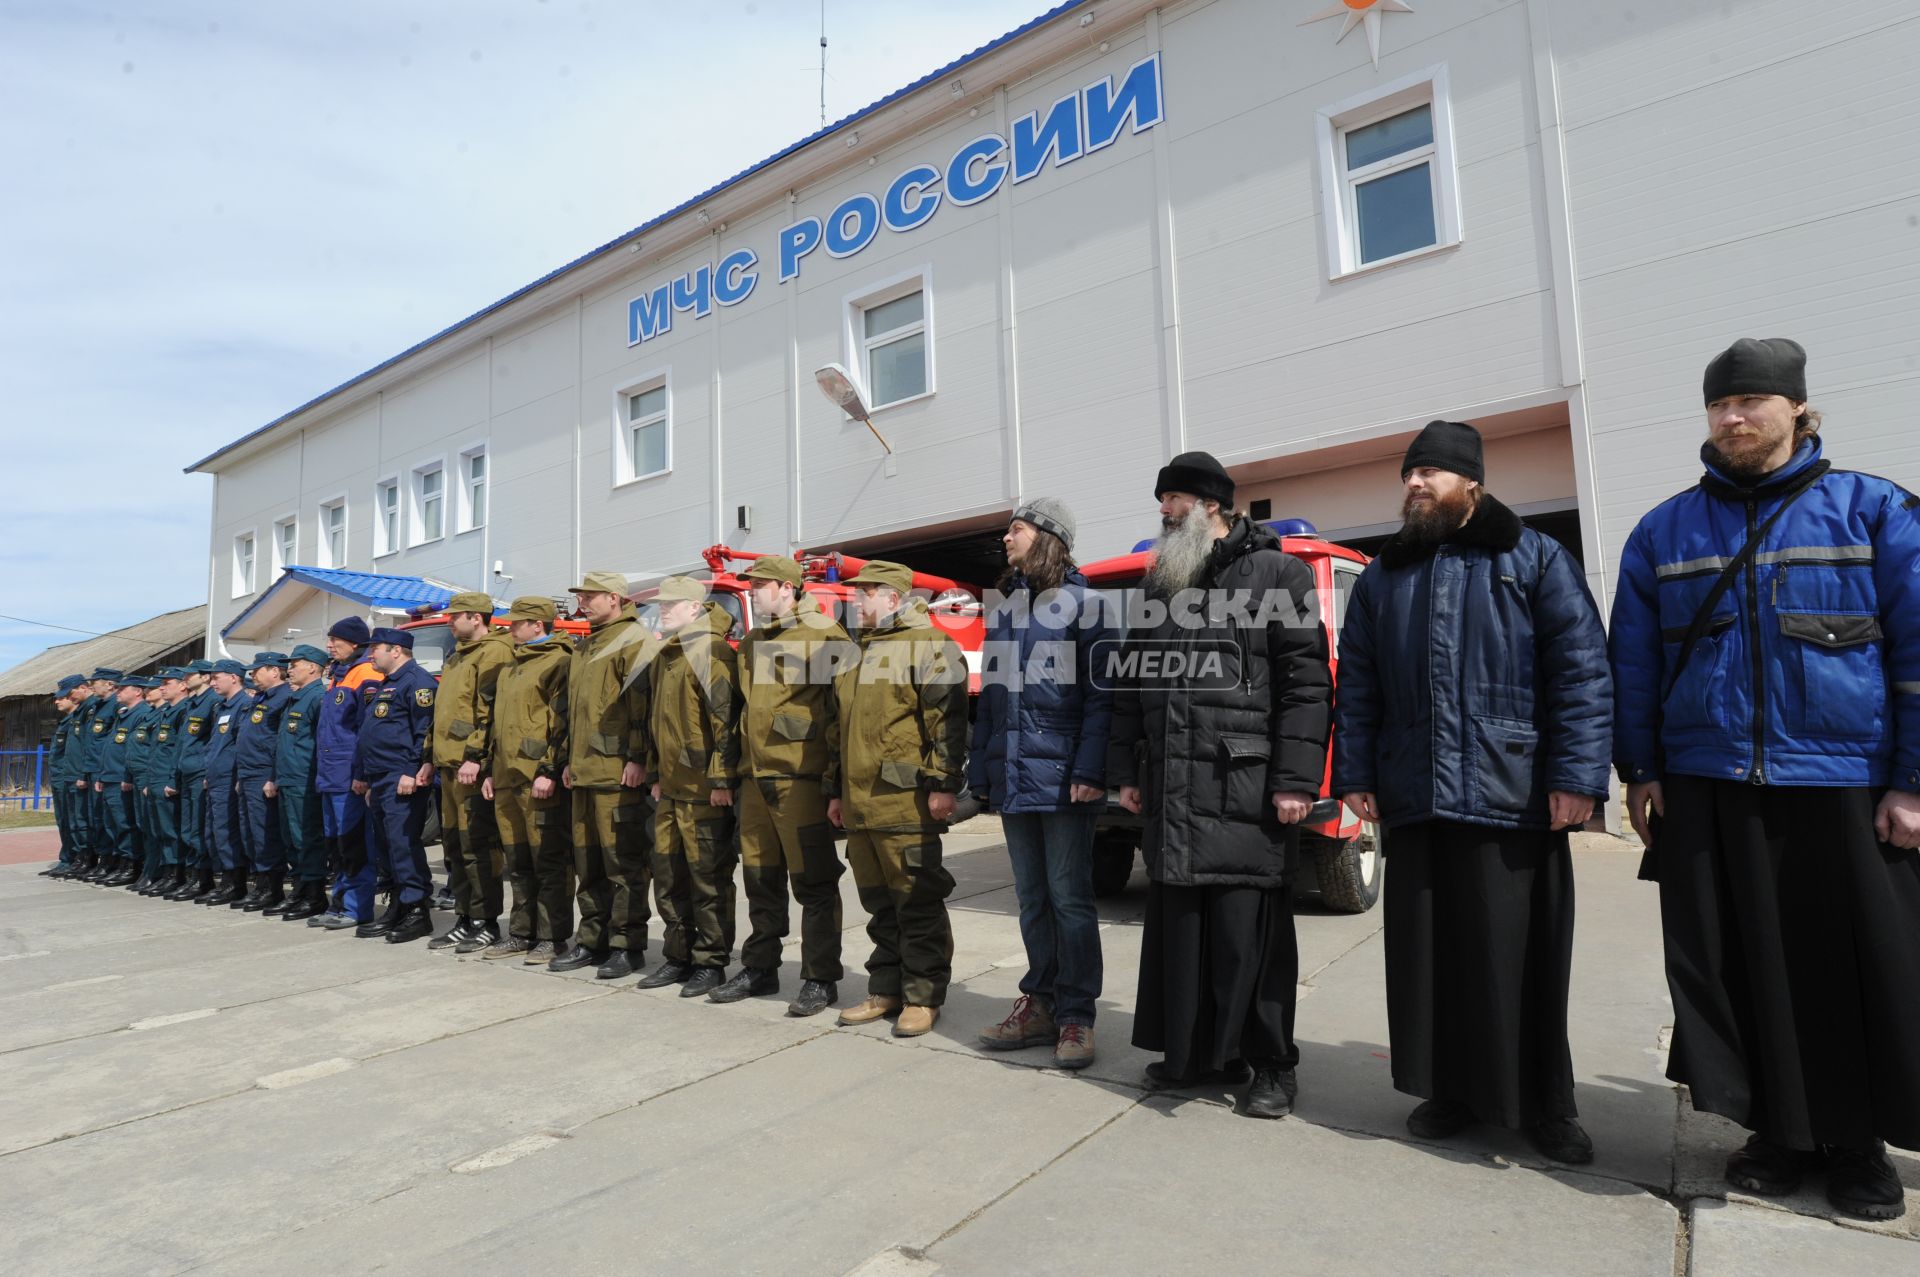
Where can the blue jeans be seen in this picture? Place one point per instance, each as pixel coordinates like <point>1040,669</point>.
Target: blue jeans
<point>1052,855</point>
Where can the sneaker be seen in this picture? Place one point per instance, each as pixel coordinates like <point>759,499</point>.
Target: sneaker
<point>1767,1168</point>
<point>1438,1119</point>
<point>1271,1094</point>
<point>1030,1023</point>
<point>1074,1047</point>
<point>509,947</point>
<point>1864,1184</point>
<point>1561,1139</point>
<point>541,953</point>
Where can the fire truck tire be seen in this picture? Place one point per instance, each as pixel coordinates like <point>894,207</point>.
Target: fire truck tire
<point>1350,870</point>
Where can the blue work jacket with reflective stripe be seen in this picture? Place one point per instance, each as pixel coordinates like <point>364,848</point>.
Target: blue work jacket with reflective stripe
<point>1808,672</point>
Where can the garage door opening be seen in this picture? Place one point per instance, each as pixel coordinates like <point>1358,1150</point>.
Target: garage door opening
<point>968,552</point>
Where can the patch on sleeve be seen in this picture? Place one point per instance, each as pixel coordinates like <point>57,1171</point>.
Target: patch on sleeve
<point>423,697</point>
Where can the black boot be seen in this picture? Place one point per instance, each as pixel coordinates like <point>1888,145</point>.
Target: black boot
<point>814,997</point>
<point>225,893</point>
<point>109,869</point>
<point>309,899</point>
<point>281,899</point>
<point>415,923</point>
<point>384,923</point>
<point>142,883</point>
<point>256,897</point>
<point>1271,1094</point>
<point>128,871</point>
<point>192,883</point>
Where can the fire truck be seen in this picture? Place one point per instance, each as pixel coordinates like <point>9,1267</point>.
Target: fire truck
<point>1340,856</point>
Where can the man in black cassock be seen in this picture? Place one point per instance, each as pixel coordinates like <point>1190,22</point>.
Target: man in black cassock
<point>1222,761</point>
<point>1766,655</point>
<point>1474,710</point>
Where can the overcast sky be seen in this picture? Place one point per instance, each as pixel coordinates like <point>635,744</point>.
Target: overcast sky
<point>213,212</point>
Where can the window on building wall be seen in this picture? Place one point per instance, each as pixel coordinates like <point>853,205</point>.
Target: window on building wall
<point>243,564</point>
<point>473,489</point>
<point>1387,167</point>
<point>893,341</point>
<point>386,517</point>
<point>429,503</point>
<point>286,543</point>
<point>333,533</point>
<point>645,431</point>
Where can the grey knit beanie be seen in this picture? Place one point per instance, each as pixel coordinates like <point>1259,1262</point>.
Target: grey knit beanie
<point>1049,514</point>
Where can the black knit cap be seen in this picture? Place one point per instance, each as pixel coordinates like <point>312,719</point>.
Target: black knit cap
<point>1447,445</point>
<point>1197,473</point>
<point>1759,366</point>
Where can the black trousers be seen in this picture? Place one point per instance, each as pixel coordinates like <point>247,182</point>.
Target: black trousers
<point>1479,941</point>
<point>1793,955</point>
<point>1219,968</point>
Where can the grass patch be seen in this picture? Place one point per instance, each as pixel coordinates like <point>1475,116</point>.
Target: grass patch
<point>26,820</point>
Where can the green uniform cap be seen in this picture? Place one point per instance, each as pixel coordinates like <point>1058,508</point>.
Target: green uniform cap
<point>532,607</point>
<point>880,572</point>
<point>682,589</point>
<point>601,583</point>
<point>472,601</point>
<point>775,567</point>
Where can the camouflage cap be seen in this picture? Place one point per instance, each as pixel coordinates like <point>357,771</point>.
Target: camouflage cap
<point>311,654</point>
<point>471,601</point>
<point>896,576</point>
<point>533,607</point>
<point>683,589</point>
<point>601,583</point>
<point>775,567</point>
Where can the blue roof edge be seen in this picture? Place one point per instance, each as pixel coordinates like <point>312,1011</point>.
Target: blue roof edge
<point>595,253</point>
<point>330,580</point>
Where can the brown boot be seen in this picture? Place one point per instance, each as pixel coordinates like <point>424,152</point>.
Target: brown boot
<point>914,1021</point>
<point>876,1006</point>
<point>1074,1049</point>
<point>1029,1024</point>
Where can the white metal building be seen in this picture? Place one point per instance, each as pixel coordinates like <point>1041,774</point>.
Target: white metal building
<point>1130,229</point>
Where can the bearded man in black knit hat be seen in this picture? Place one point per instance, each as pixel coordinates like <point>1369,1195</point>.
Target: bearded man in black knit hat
<point>1221,758</point>
<point>1474,721</point>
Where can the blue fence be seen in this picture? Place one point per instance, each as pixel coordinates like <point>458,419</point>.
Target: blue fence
<point>23,780</point>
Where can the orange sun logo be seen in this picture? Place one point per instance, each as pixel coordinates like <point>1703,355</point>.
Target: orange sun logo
<point>1358,12</point>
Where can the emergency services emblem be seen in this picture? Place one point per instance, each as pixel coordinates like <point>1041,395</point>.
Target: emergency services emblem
<point>423,697</point>
<point>259,716</point>
<point>380,709</point>
<point>339,697</point>
<point>195,726</point>
<point>163,734</point>
<point>223,729</point>
<point>120,737</point>
<point>99,727</point>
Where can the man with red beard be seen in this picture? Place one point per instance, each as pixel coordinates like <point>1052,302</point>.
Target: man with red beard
<point>1473,721</point>
<point>1766,657</point>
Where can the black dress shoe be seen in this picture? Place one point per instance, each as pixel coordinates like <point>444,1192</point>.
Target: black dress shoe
<point>415,924</point>
<point>620,963</point>
<point>814,997</point>
<point>1767,1168</point>
<point>668,972</point>
<point>747,982</point>
<point>452,935</point>
<point>1271,1094</point>
<point>1561,1139</point>
<point>480,936</point>
<point>1864,1184</point>
<point>575,957</point>
<point>703,981</point>
<point>1438,1119</point>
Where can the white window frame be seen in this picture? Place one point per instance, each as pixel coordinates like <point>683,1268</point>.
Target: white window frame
<point>1338,204</point>
<point>243,581</point>
<point>383,545</point>
<point>323,549</point>
<point>464,497</point>
<point>623,454</point>
<point>416,503</point>
<point>854,307</point>
<point>282,560</point>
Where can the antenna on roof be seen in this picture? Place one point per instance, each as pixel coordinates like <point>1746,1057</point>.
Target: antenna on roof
<point>823,63</point>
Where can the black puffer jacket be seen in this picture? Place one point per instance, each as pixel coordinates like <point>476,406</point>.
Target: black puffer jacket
<point>1209,752</point>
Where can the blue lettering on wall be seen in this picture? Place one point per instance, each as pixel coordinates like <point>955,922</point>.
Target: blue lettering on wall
<point>1075,125</point>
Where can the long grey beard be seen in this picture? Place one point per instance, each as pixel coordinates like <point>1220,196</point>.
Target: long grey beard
<point>1182,554</point>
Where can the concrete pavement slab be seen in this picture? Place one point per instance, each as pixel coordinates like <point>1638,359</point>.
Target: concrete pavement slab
<point>1730,1239</point>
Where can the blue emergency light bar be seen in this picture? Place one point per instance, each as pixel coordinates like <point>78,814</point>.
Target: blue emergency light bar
<point>1279,527</point>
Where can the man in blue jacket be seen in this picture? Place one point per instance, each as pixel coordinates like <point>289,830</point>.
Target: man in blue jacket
<point>388,757</point>
<point>1766,658</point>
<point>350,685</point>
<point>190,780</point>
<point>97,717</point>
<point>222,827</point>
<point>1473,716</point>
<point>258,732</point>
<point>1039,758</point>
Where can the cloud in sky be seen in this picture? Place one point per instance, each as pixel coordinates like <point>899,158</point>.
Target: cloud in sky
<point>216,211</point>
